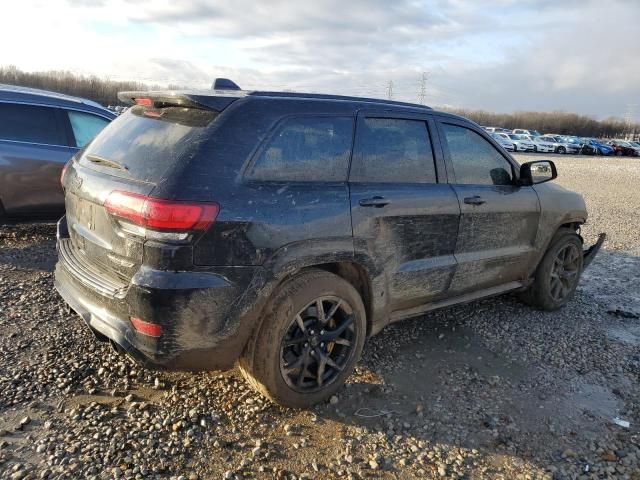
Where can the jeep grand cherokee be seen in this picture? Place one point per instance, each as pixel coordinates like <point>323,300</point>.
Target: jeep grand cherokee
<point>280,230</point>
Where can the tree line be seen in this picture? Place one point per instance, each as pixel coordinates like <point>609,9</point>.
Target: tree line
<point>105,92</point>
<point>561,123</point>
<point>92,87</point>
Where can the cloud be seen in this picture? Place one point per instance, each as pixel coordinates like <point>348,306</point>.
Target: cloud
<point>504,55</point>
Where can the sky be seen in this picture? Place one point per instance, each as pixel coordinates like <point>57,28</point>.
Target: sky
<point>498,55</point>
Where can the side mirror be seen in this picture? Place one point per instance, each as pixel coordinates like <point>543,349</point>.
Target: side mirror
<point>538,171</point>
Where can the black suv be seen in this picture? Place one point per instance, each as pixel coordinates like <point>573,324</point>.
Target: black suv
<point>279,230</point>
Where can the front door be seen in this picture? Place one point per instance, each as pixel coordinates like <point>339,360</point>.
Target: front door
<point>499,219</point>
<point>405,216</point>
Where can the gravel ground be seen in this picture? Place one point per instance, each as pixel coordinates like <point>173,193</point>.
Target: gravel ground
<point>489,390</point>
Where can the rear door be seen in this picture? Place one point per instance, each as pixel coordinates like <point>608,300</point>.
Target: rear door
<point>405,216</point>
<point>33,150</point>
<point>499,220</point>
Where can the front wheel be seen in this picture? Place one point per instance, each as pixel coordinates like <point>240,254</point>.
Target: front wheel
<point>309,342</point>
<point>558,274</point>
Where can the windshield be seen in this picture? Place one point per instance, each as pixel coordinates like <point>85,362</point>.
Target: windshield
<point>143,143</point>
<point>513,136</point>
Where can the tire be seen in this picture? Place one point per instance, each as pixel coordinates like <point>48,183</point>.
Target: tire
<point>273,346</point>
<point>543,293</point>
<point>562,150</point>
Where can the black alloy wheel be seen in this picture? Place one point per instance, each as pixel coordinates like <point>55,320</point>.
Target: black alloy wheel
<point>318,344</point>
<point>565,272</point>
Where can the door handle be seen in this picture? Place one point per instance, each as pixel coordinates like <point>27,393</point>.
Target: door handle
<point>475,200</point>
<point>376,201</point>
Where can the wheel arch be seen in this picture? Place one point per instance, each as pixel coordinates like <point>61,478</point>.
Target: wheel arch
<point>357,276</point>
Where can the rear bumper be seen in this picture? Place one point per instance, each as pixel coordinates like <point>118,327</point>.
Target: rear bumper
<point>200,313</point>
<point>590,253</point>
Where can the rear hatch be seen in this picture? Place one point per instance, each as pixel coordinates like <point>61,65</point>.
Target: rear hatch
<point>110,208</point>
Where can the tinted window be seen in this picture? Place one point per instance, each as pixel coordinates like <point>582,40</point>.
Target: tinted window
<point>393,150</point>
<point>147,141</point>
<point>85,126</point>
<point>307,149</point>
<point>29,123</point>
<point>474,159</point>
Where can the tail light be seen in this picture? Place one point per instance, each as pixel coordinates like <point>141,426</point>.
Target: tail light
<point>156,216</point>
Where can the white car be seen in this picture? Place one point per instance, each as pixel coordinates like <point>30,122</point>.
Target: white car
<point>504,143</point>
<point>522,131</point>
<point>540,145</point>
<point>519,144</point>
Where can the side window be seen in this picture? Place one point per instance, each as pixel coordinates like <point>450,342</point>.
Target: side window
<point>85,126</point>
<point>29,123</point>
<point>307,149</point>
<point>393,150</point>
<point>475,161</point>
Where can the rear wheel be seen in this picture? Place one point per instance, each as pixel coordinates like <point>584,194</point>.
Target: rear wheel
<point>558,274</point>
<point>309,342</point>
<point>562,150</point>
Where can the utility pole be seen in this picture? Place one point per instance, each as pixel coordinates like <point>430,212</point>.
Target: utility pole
<point>422,93</point>
<point>390,90</point>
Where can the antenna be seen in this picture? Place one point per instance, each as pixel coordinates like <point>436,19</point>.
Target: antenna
<point>224,84</point>
<point>390,90</point>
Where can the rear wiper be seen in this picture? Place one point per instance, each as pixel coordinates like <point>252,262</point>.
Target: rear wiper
<point>105,161</point>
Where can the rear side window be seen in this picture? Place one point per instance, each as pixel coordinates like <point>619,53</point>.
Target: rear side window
<point>145,142</point>
<point>475,161</point>
<point>393,150</point>
<point>29,123</point>
<point>306,149</point>
<point>85,126</point>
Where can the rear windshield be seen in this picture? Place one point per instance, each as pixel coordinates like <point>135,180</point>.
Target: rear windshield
<point>144,142</point>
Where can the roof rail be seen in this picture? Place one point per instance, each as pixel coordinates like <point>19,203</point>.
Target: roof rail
<point>324,96</point>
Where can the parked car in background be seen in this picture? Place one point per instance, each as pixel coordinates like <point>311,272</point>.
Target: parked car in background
<point>497,130</point>
<point>521,131</point>
<point>520,144</point>
<point>635,145</point>
<point>288,247</point>
<point>504,143</point>
<point>560,144</point>
<point>540,145</point>
<point>39,132</point>
<point>592,146</point>
<point>620,147</point>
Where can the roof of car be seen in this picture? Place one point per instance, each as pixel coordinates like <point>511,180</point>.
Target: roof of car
<point>219,99</point>
<point>14,93</point>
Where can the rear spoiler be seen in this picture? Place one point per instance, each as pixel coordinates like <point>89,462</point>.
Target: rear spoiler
<point>206,99</point>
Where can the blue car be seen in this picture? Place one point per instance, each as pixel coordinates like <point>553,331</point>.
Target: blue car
<point>591,146</point>
<point>39,132</point>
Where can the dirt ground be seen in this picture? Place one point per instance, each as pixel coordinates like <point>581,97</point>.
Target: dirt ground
<point>491,390</point>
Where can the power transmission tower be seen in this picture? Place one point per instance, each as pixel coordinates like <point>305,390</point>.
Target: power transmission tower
<point>422,94</point>
<point>629,118</point>
<point>390,90</point>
